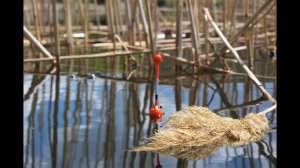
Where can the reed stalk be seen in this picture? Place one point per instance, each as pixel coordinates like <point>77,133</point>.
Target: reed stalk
<point>36,22</point>
<point>232,17</point>
<point>224,7</point>
<point>247,35</point>
<point>194,30</point>
<point>179,32</point>
<point>68,25</point>
<point>102,55</point>
<point>97,14</point>
<point>206,36</point>
<point>56,29</point>
<point>69,32</point>
<point>35,41</point>
<point>151,36</point>
<point>128,20</point>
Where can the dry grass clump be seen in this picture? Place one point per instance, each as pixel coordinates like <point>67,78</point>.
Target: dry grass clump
<point>196,132</point>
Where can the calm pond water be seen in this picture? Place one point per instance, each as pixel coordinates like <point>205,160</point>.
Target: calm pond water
<point>93,123</point>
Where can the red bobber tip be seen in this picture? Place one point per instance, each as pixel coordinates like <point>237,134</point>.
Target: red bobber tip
<point>156,114</point>
<point>157,58</point>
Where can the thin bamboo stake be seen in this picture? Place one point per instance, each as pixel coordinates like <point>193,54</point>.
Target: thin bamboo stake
<point>193,91</point>
<point>85,24</point>
<point>51,27</point>
<point>128,13</point>
<point>124,46</point>
<point>205,30</point>
<point>128,20</point>
<point>109,54</point>
<point>97,14</point>
<point>268,109</point>
<point>246,95</point>
<point>37,24</point>
<point>155,18</point>
<point>131,58</point>
<point>26,14</point>
<point>139,34</point>
<point>179,32</point>
<point>68,23</point>
<point>134,22</point>
<point>258,76</point>
<point>42,16</point>
<point>178,59</point>
<point>36,19</point>
<point>144,22</point>
<point>255,31</point>
<point>232,16</point>
<point>252,42</point>
<point>56,29</point>
<point>147,34</point>
<point>182,60</point>
<point>240,61</point>
<point>121,14</point>
<point>178,95</point>
<point>108,20</point>
<point>115,8</point>
<point>241,48</point>
<point>134,47</point>
<point>86,35</point>
<point>194,31</point>
<point>150,27</point>
<point>267,45</point>
<point>36,42</point>
<point>248,35</point>
<point>113,24</point>
<point>224,16</point>
<point>250,50</point>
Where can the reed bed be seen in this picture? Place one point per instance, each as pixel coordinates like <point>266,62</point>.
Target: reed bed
<point>92,27</point>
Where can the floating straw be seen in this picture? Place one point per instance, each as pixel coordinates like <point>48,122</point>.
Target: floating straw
<point>196,132</point>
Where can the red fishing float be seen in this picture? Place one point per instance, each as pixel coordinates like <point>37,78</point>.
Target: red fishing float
<point>157,58</point>
<point>156,114</point>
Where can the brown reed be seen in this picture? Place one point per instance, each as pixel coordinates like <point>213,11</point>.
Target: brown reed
<point>196,132</point>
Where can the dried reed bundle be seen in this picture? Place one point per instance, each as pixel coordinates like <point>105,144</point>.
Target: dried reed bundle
<point>196,132</point>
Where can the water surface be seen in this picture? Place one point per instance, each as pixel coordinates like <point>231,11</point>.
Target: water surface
<point>92,123</point>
